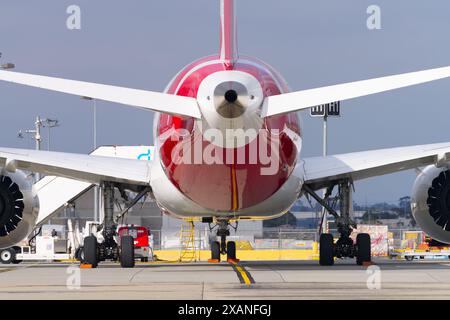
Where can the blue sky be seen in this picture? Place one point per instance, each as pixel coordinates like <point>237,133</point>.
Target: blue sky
<point>142,44</point>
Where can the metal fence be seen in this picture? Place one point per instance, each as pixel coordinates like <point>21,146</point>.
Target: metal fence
<point>286,239</point>
<point>277,239</point>
<point>248,240</point>
<point>171,240</point>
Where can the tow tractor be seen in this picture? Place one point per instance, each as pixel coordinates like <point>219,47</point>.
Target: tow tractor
<point>411,254</point>
<point>44,246</point>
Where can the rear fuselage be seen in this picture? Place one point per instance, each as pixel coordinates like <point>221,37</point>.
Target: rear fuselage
<point>249,160</point>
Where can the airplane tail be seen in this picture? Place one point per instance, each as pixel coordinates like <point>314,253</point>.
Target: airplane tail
<point>228,35</point>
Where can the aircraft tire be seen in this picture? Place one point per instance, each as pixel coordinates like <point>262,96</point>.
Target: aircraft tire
<point>215,250</point>
<point>326,249</point>
<point>90,251</point>
<point>363,253</point>
<point>127,252</point>
<point>231,250</point>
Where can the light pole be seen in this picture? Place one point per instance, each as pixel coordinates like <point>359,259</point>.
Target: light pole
<point>325,110</point>
<point>49,124</point>
<point>36,134</point>
<point>324,153</point>
<point>94,120</point>
<point>94,124</point>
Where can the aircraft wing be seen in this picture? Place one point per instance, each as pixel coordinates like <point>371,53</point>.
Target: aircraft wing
<point>156,101</point>
<point>93,169</point>
<point>320,172</point>
<point>299,100</point>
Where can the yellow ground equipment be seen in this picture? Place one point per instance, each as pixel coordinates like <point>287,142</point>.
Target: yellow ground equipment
<point>187,241</point>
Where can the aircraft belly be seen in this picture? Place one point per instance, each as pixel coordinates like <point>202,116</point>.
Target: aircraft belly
<point>173,202</point>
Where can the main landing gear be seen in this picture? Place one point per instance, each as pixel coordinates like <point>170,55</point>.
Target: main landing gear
<point>344,246</point>
<point>224,246</point>
<point>109,249</point>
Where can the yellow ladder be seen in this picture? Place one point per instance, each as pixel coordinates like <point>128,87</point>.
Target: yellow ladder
<point>187,242</point>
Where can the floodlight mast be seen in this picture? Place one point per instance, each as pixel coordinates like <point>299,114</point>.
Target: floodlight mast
<point>36,134</point>
<point>326,110</point>
<point>94,120</point>
<point>96,188</point>
<point>49,124</point>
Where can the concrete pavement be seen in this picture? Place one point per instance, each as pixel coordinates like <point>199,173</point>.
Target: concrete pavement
<point>389,279</point>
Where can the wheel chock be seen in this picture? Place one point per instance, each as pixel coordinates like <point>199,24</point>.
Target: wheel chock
<point>85,266</point>
<point>213,260</point>
<point>233,260</point>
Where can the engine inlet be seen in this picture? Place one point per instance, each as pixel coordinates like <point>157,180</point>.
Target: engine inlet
<point>11,205</point>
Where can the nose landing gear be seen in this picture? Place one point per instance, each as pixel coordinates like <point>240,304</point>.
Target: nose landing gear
<point>223,247</point>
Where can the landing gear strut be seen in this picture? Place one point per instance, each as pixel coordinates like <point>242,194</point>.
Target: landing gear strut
<point>109,249</point>
<point>223,247</point>
<point>344,246</point>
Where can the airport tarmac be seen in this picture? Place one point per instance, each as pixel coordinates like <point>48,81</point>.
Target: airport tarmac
<point>246,280</point>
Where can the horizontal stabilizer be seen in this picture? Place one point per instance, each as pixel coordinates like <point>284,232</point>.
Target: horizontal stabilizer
<point>156,101</point>
<point>299,100</point>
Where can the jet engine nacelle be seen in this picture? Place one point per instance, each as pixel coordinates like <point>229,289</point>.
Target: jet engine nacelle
<point>19,207</point>
<point>430,202</point>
